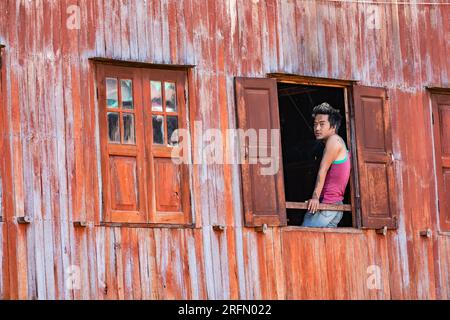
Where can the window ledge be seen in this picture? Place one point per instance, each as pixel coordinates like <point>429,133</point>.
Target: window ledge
<point>326,230</point>
<point>147,225</point>
<point>444,233</point>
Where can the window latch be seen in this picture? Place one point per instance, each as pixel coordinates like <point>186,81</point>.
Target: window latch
<point>24,220</point>
<point>80,224</point>
<point>426,233</point>
<point>262,228</point>
<point>218,227</point>
<point>382,231</point>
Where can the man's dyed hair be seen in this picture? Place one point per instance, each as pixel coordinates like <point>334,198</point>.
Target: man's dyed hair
<point>334,117</point>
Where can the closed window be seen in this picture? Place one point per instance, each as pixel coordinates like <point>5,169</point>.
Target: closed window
<point>139,113</point>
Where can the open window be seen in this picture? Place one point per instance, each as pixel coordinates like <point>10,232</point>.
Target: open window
<point>139,111</point>
<point>302,153</point>
<point>285,102</point>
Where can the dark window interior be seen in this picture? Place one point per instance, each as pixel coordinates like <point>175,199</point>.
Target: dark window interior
<point>302,153</point>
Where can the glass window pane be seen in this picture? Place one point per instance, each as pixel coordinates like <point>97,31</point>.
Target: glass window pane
<point>158,129</point>
<point>129,135</point>
<point>111,93</point>
<point>171,97</point>
<point>172,125</point>
<point>113,127</point>
<point>127,93</point>
<point>156,95</point>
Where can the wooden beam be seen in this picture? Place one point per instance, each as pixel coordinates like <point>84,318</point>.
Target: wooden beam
<point>441,90</point>
<point>294,91</point>
<point>313,81</point>
<point>140,64</point>
<point>322,206</point>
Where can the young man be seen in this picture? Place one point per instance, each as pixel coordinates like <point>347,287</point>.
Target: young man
<point>334,170</point>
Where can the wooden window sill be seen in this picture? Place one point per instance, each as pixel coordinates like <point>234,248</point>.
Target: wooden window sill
<point>147,225</point>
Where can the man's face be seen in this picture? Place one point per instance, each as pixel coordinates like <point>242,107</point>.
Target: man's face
<point>322,127</point>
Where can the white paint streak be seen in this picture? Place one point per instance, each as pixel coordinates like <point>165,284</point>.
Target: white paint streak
<point>193,272</point>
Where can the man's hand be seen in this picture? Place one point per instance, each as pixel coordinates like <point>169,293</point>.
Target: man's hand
<point>313,205</point>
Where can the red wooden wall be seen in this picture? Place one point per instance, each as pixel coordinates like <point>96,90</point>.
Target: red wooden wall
<point>52,150</point>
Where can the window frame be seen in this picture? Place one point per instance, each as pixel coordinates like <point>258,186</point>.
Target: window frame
<point>435,93</point>
<point>347,87</point>
<point>2,137</point>
<point>6,179</point>
<point>150,150</point>
<point>163,150</point>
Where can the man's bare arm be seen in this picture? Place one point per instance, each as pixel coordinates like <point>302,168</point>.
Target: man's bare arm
<point>331,152</point>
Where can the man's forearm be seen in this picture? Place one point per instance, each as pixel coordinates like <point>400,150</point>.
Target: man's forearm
<point>319,186</point>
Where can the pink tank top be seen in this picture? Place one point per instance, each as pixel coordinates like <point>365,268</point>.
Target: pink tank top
<point>336,181</point>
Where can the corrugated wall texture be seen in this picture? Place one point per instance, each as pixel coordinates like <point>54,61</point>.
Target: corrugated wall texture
<point>53,135</point>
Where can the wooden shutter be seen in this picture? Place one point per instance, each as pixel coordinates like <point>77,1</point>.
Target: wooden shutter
<point>441,120</point>
<point>3,140</point>
<point>124,196</point>
<point>168,185</point>
<point>263,195</point>
<point>4,146</point>
<point>375,158</point>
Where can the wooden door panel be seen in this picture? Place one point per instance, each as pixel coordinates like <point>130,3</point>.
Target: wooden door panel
<point>124,182</point>
<point>263,192</point>
<point>169,199</point>
<point>444,125</point>
<point>264,199</point>
<point>377,177</point>
<point>446,191</point>
<point>375,158</point>
<point>441,115</point>
<point>168,184</point>
<point>373,123</point>
<point>123,160</point>
<point>258,112</point>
